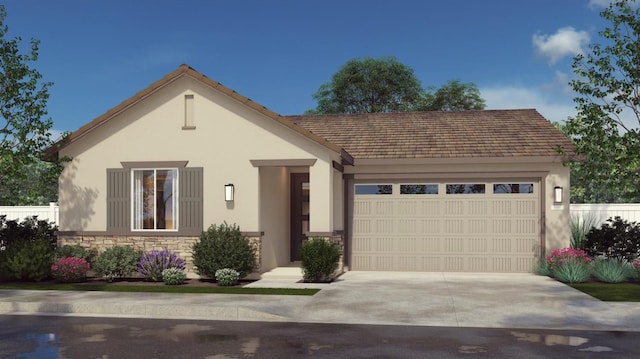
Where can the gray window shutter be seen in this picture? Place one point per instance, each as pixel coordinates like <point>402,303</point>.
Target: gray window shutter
<point>118,200</point>
<point>190,195</point>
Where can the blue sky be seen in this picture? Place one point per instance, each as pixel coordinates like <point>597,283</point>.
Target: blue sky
<point>99,53</point>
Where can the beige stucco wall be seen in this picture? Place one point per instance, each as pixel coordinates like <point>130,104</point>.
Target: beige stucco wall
<point>556,217</point>
<point>274,216</point>
<point>227,136</point>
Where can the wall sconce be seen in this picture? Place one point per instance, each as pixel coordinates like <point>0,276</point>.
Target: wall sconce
<point>557,195</point>
<point>228,192</point>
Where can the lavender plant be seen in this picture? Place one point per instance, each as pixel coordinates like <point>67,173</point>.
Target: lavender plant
<point>152,263</point>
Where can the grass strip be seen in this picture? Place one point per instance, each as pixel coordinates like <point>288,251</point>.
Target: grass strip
<point>158,289</point>
<point>607,292</point>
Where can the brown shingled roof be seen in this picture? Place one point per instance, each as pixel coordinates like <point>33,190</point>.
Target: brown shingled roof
<point>492,133</point>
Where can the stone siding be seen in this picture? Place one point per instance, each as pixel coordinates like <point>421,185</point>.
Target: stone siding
<point>181,246</point>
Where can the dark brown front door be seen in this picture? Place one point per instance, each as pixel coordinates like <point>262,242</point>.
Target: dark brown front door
<point>299,212</point>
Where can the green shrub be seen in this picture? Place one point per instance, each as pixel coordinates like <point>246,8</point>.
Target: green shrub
<point>77,251</point>
<point>173,276</point>
<point>117,262</point>
<point>542,268</point>
<point>612,270</point>
<point>30,228</point>
<point>28,260</point>
<point>223,247</point>
<point>572,271</point>
<point>319,260</point>
<point>580,227</point>
<point>227,276</point>
<point>617,238</point>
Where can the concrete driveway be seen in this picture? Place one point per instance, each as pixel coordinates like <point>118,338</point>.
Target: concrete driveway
<point>463,300</point>
<point>431,299</point>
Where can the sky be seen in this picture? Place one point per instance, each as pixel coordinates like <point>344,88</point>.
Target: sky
<point>279,52</point>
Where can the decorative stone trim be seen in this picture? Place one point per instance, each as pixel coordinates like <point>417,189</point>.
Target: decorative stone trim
<point>181,246</point>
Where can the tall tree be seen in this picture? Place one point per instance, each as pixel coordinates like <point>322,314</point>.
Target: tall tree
<point>24,130</point>
<point>605,130</point>
<point>454,96</point>
<point>369,85</point>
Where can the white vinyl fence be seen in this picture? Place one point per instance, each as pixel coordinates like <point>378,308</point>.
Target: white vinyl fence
<point>48,213</point>
<point>601,212</point>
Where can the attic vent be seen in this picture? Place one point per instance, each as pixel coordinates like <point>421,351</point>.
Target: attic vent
<point>189,122</point>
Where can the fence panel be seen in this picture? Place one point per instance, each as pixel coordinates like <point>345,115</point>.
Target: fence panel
<point>49,213</point>
<point>602,212</point>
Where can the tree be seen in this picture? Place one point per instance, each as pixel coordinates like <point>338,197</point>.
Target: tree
<point>454,96</point>
<point>386,85</point>
<point>605,130</point>
<point>24,132</point>
<point>370,85</point>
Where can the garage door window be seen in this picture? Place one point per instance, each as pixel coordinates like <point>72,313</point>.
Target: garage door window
<point>374,189</point>
<point>466,188</point>
<point>418,189</point>
<point>507,188</point>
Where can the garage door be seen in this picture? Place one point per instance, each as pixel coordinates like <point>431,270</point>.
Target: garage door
<point>450,226</point>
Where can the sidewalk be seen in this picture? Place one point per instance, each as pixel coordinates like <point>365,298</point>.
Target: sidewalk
<point>426,299</point>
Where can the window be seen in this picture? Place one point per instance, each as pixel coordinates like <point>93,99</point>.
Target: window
<point>374,189</point>
<point>464,188</point>
<point>154,199</point>
<point>505,188</point>
<point>418,189</point>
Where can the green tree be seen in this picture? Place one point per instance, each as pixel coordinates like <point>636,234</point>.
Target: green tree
<point>605,130</point>
<point>370,85</point>
<point>24,130</point>
<point>453,96</point>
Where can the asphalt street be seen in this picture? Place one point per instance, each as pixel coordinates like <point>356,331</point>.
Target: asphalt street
<point>45,337</point>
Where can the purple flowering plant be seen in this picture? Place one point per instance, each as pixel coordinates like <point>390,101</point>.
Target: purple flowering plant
<point>560,256</point>
<point>70,269</point>
<point>152,263</point>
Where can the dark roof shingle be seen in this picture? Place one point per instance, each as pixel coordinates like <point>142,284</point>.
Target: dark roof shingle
<point>488,133</point>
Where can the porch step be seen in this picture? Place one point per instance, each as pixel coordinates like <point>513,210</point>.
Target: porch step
<point>283,273</point>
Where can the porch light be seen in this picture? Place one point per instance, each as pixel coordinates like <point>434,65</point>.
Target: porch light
<point>557,195</point>
<point>228,192</point>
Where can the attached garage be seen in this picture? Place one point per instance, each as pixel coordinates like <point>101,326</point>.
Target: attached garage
<point>460,226</point>
<point>466,191</point>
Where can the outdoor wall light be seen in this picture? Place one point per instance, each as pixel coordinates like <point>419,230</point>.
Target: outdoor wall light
<point>557,195</point>
<point>228,192</point>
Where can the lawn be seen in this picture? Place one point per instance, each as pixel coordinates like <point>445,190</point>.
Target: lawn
<point>621,292</point>
<point>114,287</point>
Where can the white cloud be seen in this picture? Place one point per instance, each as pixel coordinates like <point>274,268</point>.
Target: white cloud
<point>565,42</point>
<point>56,134</point>
<point>599,3</point>
<point>514,97</point>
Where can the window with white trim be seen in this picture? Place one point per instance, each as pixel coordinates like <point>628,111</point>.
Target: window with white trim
<point>154,199</point>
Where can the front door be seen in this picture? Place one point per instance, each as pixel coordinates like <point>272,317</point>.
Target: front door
<point>299,212</point>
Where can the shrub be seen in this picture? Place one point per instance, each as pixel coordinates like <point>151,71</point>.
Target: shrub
<point>173,276</point>
<point>564,255</point>
<point>223,247</point>
<point>542,268</point>
<point>611,270</point>
<point>636,266</point>
<point>572,270</point>
<point>30,228</point>
<point>117,262</point>
<point>319,260</point>
<point>151,264</point>
<point>70,269</point>
<point>28,260</point>
<point>227,276</point>
<point>77,251</point>
<point>617,238</point>
<point>580,226</point>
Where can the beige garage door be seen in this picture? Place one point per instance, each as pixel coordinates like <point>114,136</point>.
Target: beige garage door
<point>450,226</point>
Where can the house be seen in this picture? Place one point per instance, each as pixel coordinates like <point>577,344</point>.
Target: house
<point>481,191</point>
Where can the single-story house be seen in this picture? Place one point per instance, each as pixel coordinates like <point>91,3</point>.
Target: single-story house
<point>481,191</point>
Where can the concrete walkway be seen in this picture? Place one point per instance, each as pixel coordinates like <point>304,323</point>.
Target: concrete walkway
<point>429,299</point>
